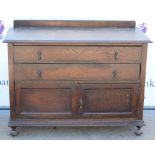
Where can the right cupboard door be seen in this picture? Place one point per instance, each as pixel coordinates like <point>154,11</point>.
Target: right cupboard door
<point>107,100</point>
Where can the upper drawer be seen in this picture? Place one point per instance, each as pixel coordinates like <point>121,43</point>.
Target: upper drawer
<point>118,72</point>
<point>77,54</point>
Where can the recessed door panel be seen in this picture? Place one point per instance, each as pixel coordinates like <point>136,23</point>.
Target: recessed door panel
<point>45,100</point>
<point>105,100</point>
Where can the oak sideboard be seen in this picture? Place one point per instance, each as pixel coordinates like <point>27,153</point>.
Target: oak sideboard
<point>76,73</point>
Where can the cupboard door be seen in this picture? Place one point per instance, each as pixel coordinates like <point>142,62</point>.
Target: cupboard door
<point>107,100</point>
<point>45,100</point>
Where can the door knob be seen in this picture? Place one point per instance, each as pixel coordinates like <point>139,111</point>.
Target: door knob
<point>114,74</point>
<point>81,104</point>
<point>116,56</point>
<point>39,55</point>
<point>39,74</point>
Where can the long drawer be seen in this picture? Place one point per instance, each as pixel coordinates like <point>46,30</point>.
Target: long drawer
<point>77,71</point>
<point>77,54</point>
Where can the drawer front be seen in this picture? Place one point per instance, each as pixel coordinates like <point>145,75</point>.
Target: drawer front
<point>77,72</point>
<point>89,54</point>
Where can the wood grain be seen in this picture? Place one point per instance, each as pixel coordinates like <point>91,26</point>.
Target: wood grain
<point>77,54</point>
<point>74,23</point>
<point>52,100</point>
<point>11,83</point>
<point>75,72</point>
<point>108,100</point>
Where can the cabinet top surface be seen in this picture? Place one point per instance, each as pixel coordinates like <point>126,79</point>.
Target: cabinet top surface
<point>75,32</point>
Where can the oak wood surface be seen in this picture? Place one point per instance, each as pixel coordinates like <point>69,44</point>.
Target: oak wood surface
<point>40,100</point>
<point>142,82</point>
<point>11,82</point>
<point>75,35</point>
<point>108,100</point>
<point>75,32</point>
<point>74,23</point>
<point>78,122</point>
<point>74,72</point>
<point>77,54</point>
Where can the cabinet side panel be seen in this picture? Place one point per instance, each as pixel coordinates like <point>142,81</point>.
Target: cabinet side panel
<point>11,81</point>
<point>142,82</point>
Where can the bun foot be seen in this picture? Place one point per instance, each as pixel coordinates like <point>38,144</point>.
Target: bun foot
<point>139,131</point>
<point>13,132</point>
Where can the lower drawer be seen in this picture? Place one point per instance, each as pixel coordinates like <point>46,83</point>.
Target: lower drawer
<point>118,72</point>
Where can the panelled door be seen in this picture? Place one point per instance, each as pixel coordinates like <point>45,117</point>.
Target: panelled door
<point>45,100</point>
<point>107,100</point>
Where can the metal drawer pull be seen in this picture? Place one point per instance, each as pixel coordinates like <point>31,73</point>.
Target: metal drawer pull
<point>39,55</point>
<point>81,104</point>
<point>116,56</point>
<point>39,73</point>
<point>114,74</point>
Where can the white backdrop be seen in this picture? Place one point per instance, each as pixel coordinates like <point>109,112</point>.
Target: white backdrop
<point>142,11</point>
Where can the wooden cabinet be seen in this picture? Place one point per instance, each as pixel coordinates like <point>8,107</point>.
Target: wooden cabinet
<point>76,73</point>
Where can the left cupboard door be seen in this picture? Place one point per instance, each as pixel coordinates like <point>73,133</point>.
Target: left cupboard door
<point>45,100</point>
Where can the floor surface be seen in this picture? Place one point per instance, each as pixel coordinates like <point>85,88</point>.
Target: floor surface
<point>79,133</point>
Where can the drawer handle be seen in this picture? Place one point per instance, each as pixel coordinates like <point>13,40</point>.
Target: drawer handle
<point>116,56</point>
<point>81,104</point>
<point>39,55</point>
<point>39,74</point>
<point>114,74</point>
